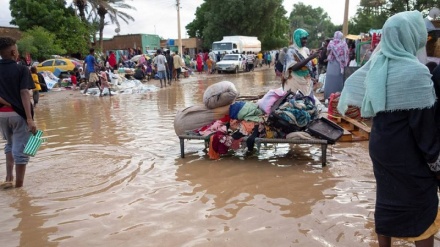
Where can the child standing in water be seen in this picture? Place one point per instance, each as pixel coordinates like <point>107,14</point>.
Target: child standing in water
<point>104,82</point>
<point>36,90</point>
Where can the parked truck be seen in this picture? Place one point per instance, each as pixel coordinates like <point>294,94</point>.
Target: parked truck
<point>236,44</point>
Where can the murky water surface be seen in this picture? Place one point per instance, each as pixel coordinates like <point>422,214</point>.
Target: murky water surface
<point>111,175</point>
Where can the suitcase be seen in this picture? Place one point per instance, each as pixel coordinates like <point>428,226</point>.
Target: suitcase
<point>325,129</point>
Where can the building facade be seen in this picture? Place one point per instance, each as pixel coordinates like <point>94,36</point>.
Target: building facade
<point>134,41</point>
<point>12,32</point>
<point>190,46</point>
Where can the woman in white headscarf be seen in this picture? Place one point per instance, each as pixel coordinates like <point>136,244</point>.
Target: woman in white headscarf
<point>396,90</point>
<point>338,59</point>
<point>296,75</point>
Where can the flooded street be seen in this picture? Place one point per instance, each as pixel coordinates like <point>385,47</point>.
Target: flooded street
<point>111,175</point>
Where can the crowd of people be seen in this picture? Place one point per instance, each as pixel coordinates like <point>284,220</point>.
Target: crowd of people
<point>395,88</point>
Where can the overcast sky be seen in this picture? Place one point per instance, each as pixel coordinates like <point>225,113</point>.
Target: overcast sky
<point>160,16</point>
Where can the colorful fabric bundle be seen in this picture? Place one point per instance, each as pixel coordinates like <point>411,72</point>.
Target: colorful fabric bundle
<point>298,111</point>
<point>353,112</point>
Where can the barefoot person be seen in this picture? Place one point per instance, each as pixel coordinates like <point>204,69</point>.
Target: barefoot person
<point>16,120</point>
<point>91,73</point>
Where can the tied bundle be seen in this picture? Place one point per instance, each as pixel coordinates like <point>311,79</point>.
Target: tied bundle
<point>352,112</point>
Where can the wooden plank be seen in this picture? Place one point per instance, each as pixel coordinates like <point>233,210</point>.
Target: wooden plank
<point>353,130</point>
<point>346,136</point>
<point>357,124</point>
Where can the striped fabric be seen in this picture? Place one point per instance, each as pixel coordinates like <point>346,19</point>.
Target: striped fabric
<point>34,144</point>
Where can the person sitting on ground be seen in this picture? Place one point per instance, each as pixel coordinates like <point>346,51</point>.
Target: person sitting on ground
<point>73,79</point>
<point>139,73</point>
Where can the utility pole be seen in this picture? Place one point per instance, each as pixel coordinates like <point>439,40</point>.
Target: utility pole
<point>178,27</point>
<point>345,24</point>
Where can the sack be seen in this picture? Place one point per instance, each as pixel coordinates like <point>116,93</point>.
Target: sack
<point>34,144</point>
<point>197,116</point>
<point>220,94</point>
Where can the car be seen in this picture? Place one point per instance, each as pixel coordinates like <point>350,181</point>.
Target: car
<point>231,63</point>
<point>64,64</point>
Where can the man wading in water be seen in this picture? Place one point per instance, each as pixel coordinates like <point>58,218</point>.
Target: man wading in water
<point>16,120</point>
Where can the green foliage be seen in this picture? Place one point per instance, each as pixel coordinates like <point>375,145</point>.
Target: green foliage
<point>314,20</point>
<point>366,20</point>
<point>374,17</point>
<point>244,17</point>
<point>55,18</point>
<point>40,43</point>
<point>45,13</point>
<point>396,6</point>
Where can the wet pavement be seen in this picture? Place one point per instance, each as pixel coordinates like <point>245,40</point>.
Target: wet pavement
<point>111,175</point>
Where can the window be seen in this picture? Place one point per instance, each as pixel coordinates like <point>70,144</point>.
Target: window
<point>235,46</point>
<point>230,57</point>
<point>221,46</point>
<point>47,63</point>
<point>60,62</point>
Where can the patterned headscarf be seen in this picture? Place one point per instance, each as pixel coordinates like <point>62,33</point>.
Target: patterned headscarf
<point>339,50</point>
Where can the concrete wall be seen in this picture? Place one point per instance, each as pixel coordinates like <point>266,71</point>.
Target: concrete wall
<point>190,46</point>
<point>152,41</point>
<point>123,42</point>
<point>12,32</point>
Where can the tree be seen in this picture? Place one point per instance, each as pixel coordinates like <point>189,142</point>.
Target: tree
<point>81,5</point>
<point>374,16</point>
<point>40,43</point>
<point>111,7</point>
<point>244,17</point>
<point>314,20</point>
<point>396,6</point>
<point>195,28</point>
<point>101,8</point>
<point>53,16</point>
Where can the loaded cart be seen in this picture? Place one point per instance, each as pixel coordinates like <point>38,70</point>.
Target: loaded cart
<point>225,123</point>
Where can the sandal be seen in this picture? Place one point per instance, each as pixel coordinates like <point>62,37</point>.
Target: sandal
<point>6,185</point>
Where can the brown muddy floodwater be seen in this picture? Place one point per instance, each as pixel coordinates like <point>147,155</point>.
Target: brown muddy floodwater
<point>111,175</point>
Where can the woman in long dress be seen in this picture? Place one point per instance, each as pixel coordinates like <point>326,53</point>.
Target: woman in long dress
<point>338,59</point>
<point>296,75</point>
<point>396,90</point>
<point>200,62</point>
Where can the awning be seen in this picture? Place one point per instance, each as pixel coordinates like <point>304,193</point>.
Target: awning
<point>353,37</point>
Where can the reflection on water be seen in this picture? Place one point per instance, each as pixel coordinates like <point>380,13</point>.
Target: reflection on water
<point>110,175</point>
